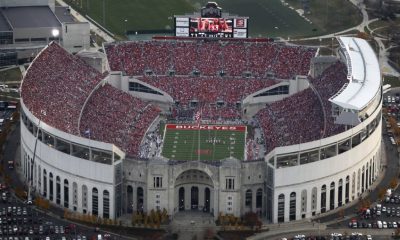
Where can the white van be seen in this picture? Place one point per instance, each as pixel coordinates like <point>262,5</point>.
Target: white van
<point>379,224</point>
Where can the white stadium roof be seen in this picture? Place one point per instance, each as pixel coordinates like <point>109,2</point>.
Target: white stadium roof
<point>363,73</point>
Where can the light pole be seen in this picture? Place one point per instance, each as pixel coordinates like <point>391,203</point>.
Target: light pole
<point>126,26</point>
<point>56,33</point>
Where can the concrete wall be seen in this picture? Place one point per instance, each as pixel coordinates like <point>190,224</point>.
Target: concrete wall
<point>42,32</point>
<point>76,36</point>
<point>24,3</point>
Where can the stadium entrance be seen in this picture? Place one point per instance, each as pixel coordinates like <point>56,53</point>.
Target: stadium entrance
<point>193,191</point>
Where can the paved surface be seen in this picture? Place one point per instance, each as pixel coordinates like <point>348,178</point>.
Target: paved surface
<point>192,224</point>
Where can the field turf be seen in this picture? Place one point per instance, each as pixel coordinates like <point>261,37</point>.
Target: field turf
<point>183,144</point>
<point>268,18</point>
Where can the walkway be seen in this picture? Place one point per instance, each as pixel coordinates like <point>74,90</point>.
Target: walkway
<point>192,224</point>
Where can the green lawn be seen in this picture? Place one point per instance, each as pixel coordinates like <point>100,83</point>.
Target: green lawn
<point>184,144</point>
<point>331,15</point>
<point>140,14</point>
<point>268,18</point>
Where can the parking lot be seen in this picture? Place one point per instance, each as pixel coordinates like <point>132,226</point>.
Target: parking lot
<point>19,221</point>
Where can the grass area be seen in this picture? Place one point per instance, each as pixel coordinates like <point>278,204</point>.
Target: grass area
<point>268,18</point>
<point>140,14</point>
<point>13,74</point>
<point>214,144</point>
<point>317,42</point>
<point>382,23</point>
<point>331,15</point>
<point>392,80</point>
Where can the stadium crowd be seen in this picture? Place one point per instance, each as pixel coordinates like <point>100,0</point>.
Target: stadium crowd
<point>114,116</point>
<point>283,122</point>
<point>327,84</point>
<point>296,119</point>
<point>207,89</point>
<point>56,87</point>
<point>210,58</point>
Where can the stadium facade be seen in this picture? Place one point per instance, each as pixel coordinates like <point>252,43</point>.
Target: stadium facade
<point>65,162</point>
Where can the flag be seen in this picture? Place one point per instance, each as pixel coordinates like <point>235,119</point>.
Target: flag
<point>87,132</point>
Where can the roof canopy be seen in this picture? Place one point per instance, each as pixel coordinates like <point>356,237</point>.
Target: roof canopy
<point>363,73</point>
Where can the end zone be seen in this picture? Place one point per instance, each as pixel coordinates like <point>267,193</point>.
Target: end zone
<point>239,128</point>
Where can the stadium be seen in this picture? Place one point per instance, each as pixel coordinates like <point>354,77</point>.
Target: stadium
<point>220,125</point>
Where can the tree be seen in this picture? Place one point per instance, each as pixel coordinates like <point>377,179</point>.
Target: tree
<point>341,213</point>
<point>251,219</point>
<point>381,193</point>
<point>393,183</point>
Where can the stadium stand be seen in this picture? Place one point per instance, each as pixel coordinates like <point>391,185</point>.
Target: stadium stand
<point>329,83</point>
<point>56,87</point>
<point>210,58</point>
<point>207,89</point>
<point>282,122</point>
<point>114,116</point>
<point>126,125</point>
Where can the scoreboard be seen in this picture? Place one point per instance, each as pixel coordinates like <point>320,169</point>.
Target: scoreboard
<point>211,23</point>
<point>211,27</point>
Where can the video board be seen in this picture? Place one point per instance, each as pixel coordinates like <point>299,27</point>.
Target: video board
<point>205,27</point>
<point>211,27</point>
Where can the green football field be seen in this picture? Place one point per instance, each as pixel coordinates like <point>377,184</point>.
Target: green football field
<point>211,143</point>
<point>268,18</point>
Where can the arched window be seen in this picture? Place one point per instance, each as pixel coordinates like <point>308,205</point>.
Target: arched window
<point>371,173</point>
<point>340,192</point>
<point>129,198</point>
<point>347,189</point>
<point>362,179</point>
<point>353,184</point>
<point>39,178</point>
<point>44,183</point>
<point>248,198</point>
<point>95,201</point>
<point>259,199</point>
<point>292,206</point>
<point>358,181</point>
<point>332,196</point>
<point>84,198</point>
<point>323,198</point>
<point>58,190</point>
<point>51,186</point>
<point>140,199</point>
<point>367,176</point>
<point>281,208</point>
<point>106,204</point>
<point>314,200</point>
<point>303,202</point>
<point>66,193</point>
<point>75,195</point>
